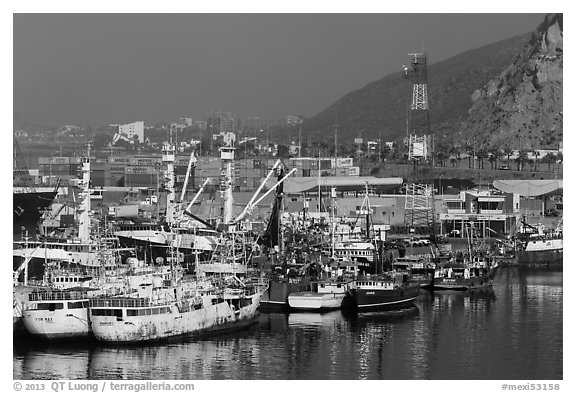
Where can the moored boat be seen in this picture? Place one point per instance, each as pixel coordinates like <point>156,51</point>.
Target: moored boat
<point>419,271</point>
<point>461,277</point>
<point>170,312</point>
<point>548,253</point>
<point>59,310</point>
<point>58,314</point>
<point>381,292</point>
<point>327,296</point>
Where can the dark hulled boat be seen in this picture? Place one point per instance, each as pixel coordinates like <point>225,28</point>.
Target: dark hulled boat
<point>381,293</point>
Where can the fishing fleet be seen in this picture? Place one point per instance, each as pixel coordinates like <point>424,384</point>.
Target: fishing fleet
<point>182,275</point>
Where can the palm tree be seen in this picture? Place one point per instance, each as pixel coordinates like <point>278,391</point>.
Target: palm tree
<point>536,153</point>
<point>521,159</point>
<point>549,159</point>
<point>481,153</point>
<point>496,154</point>
<point>470,151</point>
<point>508,151</point>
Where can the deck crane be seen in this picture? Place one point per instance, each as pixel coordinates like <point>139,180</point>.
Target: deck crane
<point>189,213</point>
<point>24,267</point>
<point>191,164</point>
<point>253,202</point>
<point>193,201</point>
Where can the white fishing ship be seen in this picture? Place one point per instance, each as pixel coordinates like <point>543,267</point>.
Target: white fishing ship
<point>168,310</point>
<point>59,310</point>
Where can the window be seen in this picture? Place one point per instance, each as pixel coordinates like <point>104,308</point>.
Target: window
<point>50,306</point>
<point>107,312</point>
<point>72,305</point>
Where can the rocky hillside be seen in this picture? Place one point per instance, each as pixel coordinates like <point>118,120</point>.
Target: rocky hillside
<point>522,106</point>
<point>509,91</point>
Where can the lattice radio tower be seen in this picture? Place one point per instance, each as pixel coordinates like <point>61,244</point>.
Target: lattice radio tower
<point>419,139</point>
<point>419,204</point>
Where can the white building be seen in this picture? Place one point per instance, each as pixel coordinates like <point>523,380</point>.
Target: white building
<point>131,130</point>
<point>228,138</point>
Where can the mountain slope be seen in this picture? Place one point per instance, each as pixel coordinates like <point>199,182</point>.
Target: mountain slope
<point>382,104</point>
<point>522,107</point>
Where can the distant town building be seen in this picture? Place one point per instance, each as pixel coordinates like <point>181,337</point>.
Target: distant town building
<point>256,123</point>
<point>200,125</point>
<point>20,134</point>
<point>131,131</point>
<point>292,120</point>
<point>227,138</point>
<point>218,122</point>
<point>187,121</point>
<point>70,128</point>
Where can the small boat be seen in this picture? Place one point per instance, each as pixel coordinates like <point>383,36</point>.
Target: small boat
<point>543,250</point>
<point>462,277</point>
<point>542,253</point>
<point>418,270</point>
<point>327,296</point>
<point>381,292</point>
<point>276,296</point>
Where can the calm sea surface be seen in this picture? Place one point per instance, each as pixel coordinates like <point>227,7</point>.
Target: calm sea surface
<point>511,332</point>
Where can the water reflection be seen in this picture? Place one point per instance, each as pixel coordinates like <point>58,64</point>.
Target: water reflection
<point>511,331</point>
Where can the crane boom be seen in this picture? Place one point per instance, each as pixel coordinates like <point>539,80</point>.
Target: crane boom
<point>249,205</point>
<point>249,208</point>
<point>191,162</point>
<point>197,194</point>
<point>24,267</point>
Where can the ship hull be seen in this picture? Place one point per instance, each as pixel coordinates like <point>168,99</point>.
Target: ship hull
<point>65,324</point>
<point>276,297</point>
<point>151,249</point>
<point>461,284</point>
<point>541,259</point>
<point>314,301</point>
<point>381,300</point>
<point>28,207</point>
<point>173,324</point>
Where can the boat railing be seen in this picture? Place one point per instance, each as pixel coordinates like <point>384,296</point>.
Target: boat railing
<point>52,296</point>
<point>120,302</point>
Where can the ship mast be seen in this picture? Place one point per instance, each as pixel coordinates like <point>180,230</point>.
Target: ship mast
<point>168,158</point>
<point>84,210</point>
<point>227,156</point>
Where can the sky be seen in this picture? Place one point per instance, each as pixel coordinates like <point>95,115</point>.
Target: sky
<point>97,69</point>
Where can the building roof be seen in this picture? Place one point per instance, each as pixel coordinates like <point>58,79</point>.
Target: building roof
<point>296,185</point>
<point>529,188</point>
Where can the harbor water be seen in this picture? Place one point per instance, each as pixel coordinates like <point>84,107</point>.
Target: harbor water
<point>513,331</point>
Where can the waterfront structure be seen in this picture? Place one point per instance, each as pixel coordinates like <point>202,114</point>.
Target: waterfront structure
<point>487,211</point>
